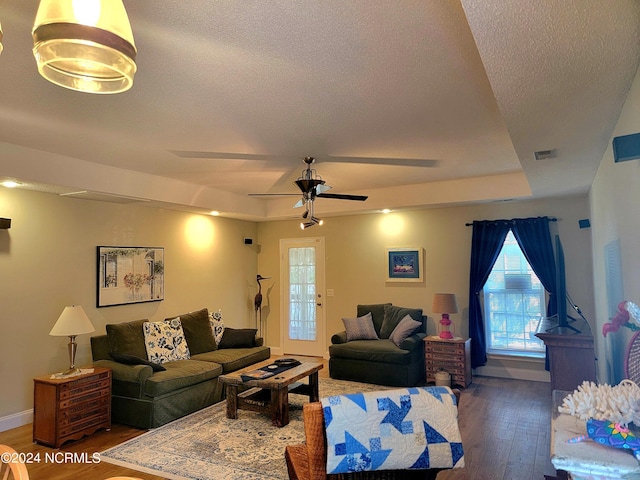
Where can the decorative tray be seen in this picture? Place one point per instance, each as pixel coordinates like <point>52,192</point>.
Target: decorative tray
<point>282,362</point>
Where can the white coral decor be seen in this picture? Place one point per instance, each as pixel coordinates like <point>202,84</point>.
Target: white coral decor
<point>620,403</point>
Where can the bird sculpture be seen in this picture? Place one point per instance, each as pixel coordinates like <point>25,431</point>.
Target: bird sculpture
<point>257,302</point>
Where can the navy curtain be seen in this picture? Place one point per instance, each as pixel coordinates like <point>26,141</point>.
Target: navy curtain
<point>486,243</point>
<point>534,238</point>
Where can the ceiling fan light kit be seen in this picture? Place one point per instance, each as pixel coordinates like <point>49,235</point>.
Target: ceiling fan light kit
<point>85,45</point>
<point>308,214</point>
<point>311,223</point>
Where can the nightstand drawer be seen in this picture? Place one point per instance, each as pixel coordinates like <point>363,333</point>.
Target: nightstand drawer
<point>91,395</point>
<point>77,413</point>
<point>445,349</point>
<point>85,423</point>
<point>445,363</point>
<point>81,387</point>
<point>444,357</point>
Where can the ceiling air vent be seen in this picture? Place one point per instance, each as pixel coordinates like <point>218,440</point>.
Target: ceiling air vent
<point>544,154</point>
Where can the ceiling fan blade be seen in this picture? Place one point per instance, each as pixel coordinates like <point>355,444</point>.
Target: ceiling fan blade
<point>220,155</point>
<point>273,194</point>
<point>405,162</point>
<point>341,196</point>
<point>402,162</point>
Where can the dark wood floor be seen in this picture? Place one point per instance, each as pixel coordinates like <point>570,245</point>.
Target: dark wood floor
<point>505,427</point>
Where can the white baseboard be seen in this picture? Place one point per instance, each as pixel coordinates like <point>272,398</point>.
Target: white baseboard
<point>515,373</point>
<point>276,351</point>
<point>16,420</point>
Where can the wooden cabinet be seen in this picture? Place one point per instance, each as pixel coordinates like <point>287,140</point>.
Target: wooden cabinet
<point>453,356</point>
<point>69,408</point>
<point>572,358</point>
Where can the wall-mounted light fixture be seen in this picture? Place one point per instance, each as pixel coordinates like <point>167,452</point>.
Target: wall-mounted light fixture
<point>85,45</point>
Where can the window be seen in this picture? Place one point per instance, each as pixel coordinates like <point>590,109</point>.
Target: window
<point>514,301</point>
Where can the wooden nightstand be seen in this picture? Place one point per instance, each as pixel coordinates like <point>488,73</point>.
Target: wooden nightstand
<point>69,408</point>
<point>453,356</point>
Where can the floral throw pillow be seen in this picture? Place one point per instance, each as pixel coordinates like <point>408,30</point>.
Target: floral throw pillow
<point>165,341</point>
<point>217,326</point>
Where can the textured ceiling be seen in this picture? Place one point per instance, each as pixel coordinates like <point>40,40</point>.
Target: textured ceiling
<point>476,87</point>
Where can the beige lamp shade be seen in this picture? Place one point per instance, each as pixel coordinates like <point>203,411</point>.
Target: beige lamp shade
<point>85,45</point>
<point>444,303</point>
<point>73,321</point>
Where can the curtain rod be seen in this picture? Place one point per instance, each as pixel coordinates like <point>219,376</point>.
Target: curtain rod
<point>551,219</point>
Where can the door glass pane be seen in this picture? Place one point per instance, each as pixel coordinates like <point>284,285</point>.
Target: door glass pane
<point>302,293</point>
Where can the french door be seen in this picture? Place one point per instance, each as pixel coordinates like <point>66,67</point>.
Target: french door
<point>302,280</point>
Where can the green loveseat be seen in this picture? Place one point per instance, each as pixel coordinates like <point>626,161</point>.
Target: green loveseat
<point>380,361</point>
<point>146,395</point>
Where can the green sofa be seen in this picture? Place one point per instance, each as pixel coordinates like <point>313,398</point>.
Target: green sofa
<point>146,395</point>
<point>380,361</point>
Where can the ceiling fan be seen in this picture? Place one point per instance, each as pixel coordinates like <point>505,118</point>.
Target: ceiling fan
<point>312,186</point>
<point>310,174</point>
<point>310,183</point>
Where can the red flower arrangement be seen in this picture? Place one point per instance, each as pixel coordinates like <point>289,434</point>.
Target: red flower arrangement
<point>135,281</point>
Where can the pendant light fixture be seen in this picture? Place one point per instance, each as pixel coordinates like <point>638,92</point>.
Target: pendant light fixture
<point>85,45</point>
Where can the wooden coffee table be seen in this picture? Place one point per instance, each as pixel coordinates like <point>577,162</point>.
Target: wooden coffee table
<point>271,395</point>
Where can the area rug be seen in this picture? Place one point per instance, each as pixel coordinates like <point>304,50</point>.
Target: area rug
<point>206,445</point>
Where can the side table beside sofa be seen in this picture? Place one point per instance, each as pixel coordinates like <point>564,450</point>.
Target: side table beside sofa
<point>71,407</point>
<point>450,355</point>
<point>147,395</point>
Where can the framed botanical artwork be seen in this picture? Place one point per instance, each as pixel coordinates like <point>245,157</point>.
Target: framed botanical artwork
<point>129,275</point>
<point>404,264</point>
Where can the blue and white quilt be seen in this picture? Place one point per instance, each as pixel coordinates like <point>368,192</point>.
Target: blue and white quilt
<point>407,428</point>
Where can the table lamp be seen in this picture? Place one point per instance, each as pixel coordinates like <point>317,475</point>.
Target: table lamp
<point>445,303</point>
<point>72,322</point>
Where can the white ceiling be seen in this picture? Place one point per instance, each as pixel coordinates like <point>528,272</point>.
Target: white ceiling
<point>477,86</point>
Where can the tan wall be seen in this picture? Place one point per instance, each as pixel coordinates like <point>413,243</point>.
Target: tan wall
<point>355,259</point>
<point>615,196</point>
<point>48,261</point>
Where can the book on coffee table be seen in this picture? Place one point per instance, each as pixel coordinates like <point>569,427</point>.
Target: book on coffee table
<point>258,374</point>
